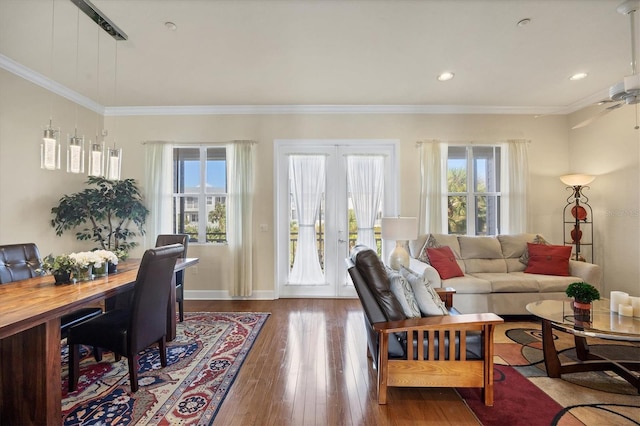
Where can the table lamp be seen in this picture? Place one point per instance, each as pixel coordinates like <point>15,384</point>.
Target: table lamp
<point>399,229</point>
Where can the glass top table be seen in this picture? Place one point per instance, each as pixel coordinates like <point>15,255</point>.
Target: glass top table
<point>601,322</point>
<point>598,322</point>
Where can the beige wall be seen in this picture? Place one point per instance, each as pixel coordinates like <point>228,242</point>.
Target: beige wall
<point>26,201</point>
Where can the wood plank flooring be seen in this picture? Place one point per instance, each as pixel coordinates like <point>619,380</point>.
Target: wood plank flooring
<point>309,367</point>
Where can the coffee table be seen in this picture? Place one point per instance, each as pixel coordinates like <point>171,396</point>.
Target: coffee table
<point>601,323</point>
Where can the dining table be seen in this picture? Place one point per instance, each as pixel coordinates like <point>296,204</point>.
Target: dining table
<point>30,338</point>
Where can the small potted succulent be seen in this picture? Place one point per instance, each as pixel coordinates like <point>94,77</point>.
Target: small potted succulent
<point>60,267</point>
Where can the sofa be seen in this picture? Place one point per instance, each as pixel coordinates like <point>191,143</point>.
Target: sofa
<point>495,275</point>
<point>442,350</point>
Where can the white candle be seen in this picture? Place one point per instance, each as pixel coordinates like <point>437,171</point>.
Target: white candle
<point>618,298</point>
<point>635,303</point>
<point>625,310</point>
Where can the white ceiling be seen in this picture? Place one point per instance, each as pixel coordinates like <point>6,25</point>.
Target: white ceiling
<point>327,52</point>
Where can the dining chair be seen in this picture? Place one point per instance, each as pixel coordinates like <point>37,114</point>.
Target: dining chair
<point>126,331</point>
<point>166,239</point>
<point>22,261</point>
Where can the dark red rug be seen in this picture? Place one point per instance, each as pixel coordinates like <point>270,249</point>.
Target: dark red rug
<point>517,401</point>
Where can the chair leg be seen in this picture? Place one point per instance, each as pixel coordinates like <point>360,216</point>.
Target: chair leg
<point>180,300</point>
<point>132,360</point>
<point>74,366</point>
<point>162,343</point>
<point>97,353</point>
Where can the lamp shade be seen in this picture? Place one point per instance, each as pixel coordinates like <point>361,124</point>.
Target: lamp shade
<point>577,179</point>
<point>399,228</point>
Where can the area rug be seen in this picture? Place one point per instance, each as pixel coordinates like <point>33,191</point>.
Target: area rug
<point>590,398</point>
<point>203,362</point>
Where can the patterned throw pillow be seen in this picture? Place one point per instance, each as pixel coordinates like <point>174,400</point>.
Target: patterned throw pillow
<point>430,243</point>
<point>538,239</point>
<point>403,292</point>
<point>427,298</point>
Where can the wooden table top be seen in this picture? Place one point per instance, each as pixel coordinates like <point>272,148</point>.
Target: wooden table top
<point>26,303</point>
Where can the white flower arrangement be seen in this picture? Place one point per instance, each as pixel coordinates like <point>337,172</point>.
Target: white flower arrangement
<point>107,256</point>
<point>86,258</point>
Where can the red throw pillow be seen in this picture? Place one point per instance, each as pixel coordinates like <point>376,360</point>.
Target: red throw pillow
<point>443,259</point>
<point>548,259</point>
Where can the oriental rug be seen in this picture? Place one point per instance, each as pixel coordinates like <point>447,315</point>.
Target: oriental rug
<point>203,362</point>
<point>524,395</point>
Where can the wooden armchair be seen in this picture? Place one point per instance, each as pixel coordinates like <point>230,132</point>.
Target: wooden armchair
<point>444,351</point>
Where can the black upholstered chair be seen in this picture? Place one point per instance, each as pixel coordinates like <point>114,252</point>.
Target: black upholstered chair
<point>20,262</point>
<point>127,331</point>
<point>166,239</point>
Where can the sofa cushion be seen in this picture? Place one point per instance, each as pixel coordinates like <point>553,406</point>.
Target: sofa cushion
<point>538,239</point>
<point>402,290</point>
<point>548,259</point>
<point>468,285</point>
<point>510,283</point>
<point>431,242</point>
<point>514,246</point>
<point>428,300</point>
<point>449,241</point>
<point>472,247</point>
<point>554,283</point>
<point>373,272</point>
<point>443,259</point>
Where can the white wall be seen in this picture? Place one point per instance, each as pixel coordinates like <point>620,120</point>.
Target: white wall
<point>28,193</point>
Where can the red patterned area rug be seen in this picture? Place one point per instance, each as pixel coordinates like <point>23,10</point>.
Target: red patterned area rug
<point>203,362</point>
<point>524,395</point>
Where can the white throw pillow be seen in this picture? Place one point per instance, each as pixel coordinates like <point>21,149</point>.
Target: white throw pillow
<point>427,298</point>
<point>403,292</point>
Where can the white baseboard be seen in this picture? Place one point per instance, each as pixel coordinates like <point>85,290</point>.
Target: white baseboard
<point>224,295</point>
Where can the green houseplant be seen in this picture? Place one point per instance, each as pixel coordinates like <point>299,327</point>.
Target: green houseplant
<point>582,292</point>
<point>109,212</point>
<point>60,267</point>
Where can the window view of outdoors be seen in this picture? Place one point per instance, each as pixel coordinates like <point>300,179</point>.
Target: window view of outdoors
<point>200,191</point>
<point>473,186</point>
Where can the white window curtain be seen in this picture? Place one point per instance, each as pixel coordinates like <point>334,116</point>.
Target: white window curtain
<point>515,185</point>
<point>307,177</point>
<point>158,190</point>
<point>433,167</point>
<point>240,178</point>
<point>365,177</point>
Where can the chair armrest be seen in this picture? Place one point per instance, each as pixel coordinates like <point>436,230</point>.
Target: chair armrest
<point>437,322</point>
<point>588,272</point>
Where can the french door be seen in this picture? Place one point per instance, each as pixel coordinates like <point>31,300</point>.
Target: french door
<point>316,220</point>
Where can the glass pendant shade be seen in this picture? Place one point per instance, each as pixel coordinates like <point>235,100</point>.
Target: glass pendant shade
<point>114,163</point>
<point>75,154</point>
<point>50,150</point>
<point>96,159</point>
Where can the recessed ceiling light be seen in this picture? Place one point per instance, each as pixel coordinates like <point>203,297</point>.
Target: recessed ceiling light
<point>578,76</point>
<point>523,22</point>
<point>170,26</point>
<point>446,76</point>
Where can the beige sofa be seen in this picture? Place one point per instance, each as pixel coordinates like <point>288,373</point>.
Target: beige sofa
<point>494,279</point>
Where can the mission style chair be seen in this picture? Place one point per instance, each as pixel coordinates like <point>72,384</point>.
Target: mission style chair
<point>444,351</point>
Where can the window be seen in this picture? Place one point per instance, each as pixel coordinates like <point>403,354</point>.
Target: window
<point>200,191</point>
<point>473,190</point>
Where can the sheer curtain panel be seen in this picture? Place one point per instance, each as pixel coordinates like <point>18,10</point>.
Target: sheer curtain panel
<point>517,186</point>
<point>158,190</point>
<point>241,177</point>
<point>365,177</point>
<point>307,177</point>
<point>432,196</point>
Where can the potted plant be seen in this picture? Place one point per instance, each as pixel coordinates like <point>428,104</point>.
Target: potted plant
<point>109,212</point>
<point>583,294</point>
<point>60,267</point>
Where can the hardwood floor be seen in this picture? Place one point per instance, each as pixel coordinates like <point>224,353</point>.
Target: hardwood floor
<point>309,367</point>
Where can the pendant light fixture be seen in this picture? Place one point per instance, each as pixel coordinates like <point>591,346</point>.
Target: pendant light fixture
<point>50,145</point>
<point>96,149</point>
<point>75,143</point>
<point>114,155</point>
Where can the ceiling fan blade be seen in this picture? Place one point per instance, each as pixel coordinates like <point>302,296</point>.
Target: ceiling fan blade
<point>598,115</point>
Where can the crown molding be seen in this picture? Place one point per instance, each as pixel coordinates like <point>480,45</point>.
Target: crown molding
<point>48,84</point>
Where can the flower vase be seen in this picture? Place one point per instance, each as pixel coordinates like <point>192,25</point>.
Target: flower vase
<point>100,271</point>
<point>83,274</point>
<point>62,278</point>
<point>113,268</point>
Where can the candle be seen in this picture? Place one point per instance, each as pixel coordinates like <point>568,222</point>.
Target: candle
<point>635,303</point>
<point>618,298</point>
<point>625,310</point>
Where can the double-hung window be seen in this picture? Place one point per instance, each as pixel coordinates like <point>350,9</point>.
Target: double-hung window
<point>473,189</point>
<point>200,192</point>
